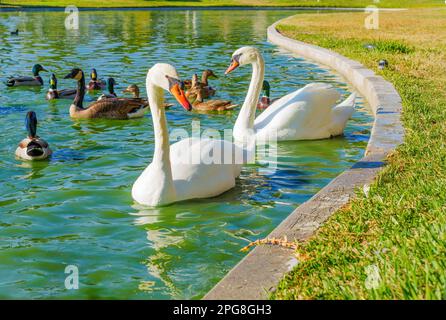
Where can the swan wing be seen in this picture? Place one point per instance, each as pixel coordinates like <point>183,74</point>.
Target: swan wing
<point>199,169</point>
<point>302,114</point>
<point>115,108</point>
<point>341,114</point>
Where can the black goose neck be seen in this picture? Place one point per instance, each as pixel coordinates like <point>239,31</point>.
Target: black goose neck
<point>80,92</point>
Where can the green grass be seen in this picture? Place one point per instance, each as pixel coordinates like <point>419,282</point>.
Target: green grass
<point>400,227</point>
<point>155,3</point>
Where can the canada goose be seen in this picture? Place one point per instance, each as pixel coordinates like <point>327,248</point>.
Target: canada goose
<point>113,108</point>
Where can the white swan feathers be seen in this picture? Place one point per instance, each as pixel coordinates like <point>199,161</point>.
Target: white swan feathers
<point>188,169</point>
<point>305,114</point>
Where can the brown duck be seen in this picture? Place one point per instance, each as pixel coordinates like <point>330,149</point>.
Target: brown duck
<point>112,108</point>
<point>211,105</point>
<point>207,91</point>
<point>134,90</point>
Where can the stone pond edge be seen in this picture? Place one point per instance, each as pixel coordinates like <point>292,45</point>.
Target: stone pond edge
<point>258,274</point>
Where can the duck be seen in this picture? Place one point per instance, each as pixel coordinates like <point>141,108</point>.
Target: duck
<point>36,80</point>
<point>265,100</point>
<point>211,105</point>
<point>111,90</point>
<point>208,73</point>
<point>15,33</point>
<point>207,91</point>
<point>181,171</point>
<point>32,147</point>
<point>113,108</point>
<point>309,113</point>
<point>53,93</point>
<point>134,90</point>
<point>95,83</point>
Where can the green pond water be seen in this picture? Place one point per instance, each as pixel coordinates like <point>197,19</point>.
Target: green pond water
<point>76,208</point>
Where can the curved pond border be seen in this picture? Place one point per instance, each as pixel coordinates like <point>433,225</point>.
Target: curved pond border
<point>260,271</point>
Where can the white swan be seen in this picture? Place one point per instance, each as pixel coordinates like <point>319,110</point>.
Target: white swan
<point>189,169</point>
<point>305,114</point>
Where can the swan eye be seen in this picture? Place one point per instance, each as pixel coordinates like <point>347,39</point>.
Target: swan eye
<point>173,82</point>
<point>236,58</point>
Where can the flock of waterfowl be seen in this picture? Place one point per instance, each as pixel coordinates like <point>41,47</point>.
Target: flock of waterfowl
<point>178,172</point>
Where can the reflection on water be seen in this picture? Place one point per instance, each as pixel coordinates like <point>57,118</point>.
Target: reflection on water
<point>77,207</point>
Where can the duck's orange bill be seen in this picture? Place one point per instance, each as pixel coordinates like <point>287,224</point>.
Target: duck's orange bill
<point>176,91</point>
<point>232,67</point>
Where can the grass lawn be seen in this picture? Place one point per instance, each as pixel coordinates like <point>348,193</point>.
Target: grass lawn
<point>156,3</point>
<point>396,234</point>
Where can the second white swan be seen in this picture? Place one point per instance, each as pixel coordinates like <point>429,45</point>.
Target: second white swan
<point>309,113</point>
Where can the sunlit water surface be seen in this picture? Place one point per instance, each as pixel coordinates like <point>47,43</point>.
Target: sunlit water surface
<point>76,209</point>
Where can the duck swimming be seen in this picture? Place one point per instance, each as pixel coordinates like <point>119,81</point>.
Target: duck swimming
<point>208,73</point>
<point>211,105</point>
<point>32,147</point>
<point>112,108</point>
<point>15,33</point>
<point>134,90</point>
<point>36,80</point>
<point>207,91</point>
<point>111,90</point>
<point>53,93</point>
<point>94,83</point>
<point>265,100</point>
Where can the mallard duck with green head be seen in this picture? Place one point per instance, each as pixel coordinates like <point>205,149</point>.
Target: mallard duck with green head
<point>111,90</point>
<point>32,147</point>
<point>35,80</point>
<point>265,100</point>
<point>95,83</point>
<point>53,93</point>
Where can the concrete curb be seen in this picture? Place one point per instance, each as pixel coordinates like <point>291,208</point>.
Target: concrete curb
<point>260,271</point>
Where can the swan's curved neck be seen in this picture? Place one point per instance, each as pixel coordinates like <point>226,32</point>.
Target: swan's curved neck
<point>245,119</point>
<point>161,155</point>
